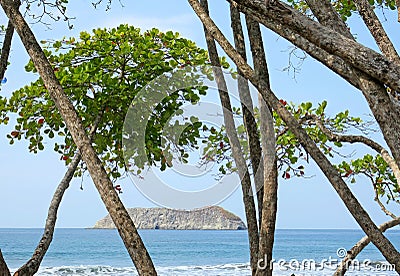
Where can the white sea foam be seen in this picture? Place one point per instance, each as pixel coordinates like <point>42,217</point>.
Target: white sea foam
<point>228,269</point>
<point>206,270</point>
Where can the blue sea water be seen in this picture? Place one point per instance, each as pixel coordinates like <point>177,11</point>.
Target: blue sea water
<point>178,252</point>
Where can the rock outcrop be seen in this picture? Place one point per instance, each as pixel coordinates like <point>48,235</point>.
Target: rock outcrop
<point>209,218</point>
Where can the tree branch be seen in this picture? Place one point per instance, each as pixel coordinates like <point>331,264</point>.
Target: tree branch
<point>351,202</point>
<point>398,10</point>
<point>382,106</point>
<point>375,93</point>
<point>334,137</point>
<point>384,209</point>
<point>33,264</point>
<point>5,51</point>
<point>360,245</point>
<point>377,31</point>
<point>356,54</point>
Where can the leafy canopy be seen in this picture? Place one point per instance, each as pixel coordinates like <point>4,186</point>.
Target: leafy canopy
<point>291,156</point>
<point>101,72</point>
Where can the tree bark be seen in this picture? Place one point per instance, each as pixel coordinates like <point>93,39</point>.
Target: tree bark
<point>5,51</point>
<point>360,245</point>
<point>385,111</point>
<point>237,152</point>
<point>116,209</point>
<point>248,113</point>
<point>398,10</point>
<point>351,202</point>
<point>33,264</point>
<point>3,266</point>
<point>377,31</point>
<point>356,54</point>
<point>336,64</point>
<point>268,141</point>
<point>270,198</point>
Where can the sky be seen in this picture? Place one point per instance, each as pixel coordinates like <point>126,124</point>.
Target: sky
<point>27,181</point>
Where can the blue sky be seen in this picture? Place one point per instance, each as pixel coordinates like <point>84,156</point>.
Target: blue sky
<point>27,181</point>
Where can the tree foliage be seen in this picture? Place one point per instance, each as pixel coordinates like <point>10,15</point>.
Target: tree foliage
<point>293,159</point>
<point>101,73</point>
<point>345,8</point>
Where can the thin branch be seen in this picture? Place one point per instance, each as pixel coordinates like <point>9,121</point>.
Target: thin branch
<point>360,139</point>
<point>360,245</point>
<point>384,209</point>
<point>32,265</point>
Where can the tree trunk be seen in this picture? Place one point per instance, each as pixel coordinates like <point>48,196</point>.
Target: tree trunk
<point>361,216</point>
<point>116,209</point>
<point>398,10</point>
<point>3,266</point>
<point>270,198</point>
<point>268,141</point>
<point>33,264</point>
<point>360,245</point>
<point>237,153</point>
<point>5,51</point>
<point>248,113</point>
<point>377,31</point>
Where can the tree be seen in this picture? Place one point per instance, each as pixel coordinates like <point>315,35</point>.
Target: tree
<point>120,216</point>
<point>75,126</point>
<point>102,73</point>
<point>280,13</point>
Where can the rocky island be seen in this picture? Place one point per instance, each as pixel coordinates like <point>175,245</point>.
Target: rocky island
<point>209,218</point>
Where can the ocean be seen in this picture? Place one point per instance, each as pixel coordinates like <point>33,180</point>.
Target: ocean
<point>180,252</point>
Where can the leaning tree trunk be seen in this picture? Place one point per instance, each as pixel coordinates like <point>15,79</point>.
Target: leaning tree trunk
<point>3,266</point>
<point>237,152</point>
<point>358,212</point>
<point>5,51</point>
<point>360,245</point>
<point>116,209</point>
<point>33,264</point>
